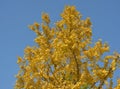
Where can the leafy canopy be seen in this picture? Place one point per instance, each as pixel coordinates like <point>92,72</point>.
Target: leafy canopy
<point>64,57</point>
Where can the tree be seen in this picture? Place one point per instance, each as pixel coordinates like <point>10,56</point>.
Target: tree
<point>64,57</point>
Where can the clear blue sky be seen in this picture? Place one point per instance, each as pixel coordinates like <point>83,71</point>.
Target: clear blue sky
<point>16,15</point>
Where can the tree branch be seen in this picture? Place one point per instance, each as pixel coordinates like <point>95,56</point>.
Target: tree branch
<point>77,66</point>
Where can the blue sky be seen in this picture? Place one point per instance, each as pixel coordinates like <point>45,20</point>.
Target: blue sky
<point>16,15</point>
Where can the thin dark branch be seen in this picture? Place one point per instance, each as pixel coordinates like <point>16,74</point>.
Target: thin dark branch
<point>77,66</point>
<point>53,75</point>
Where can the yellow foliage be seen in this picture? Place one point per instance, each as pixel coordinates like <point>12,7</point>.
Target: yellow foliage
<point>64,57</point>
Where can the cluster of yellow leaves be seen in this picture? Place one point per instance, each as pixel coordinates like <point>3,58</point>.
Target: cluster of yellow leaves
<point>64,58</point>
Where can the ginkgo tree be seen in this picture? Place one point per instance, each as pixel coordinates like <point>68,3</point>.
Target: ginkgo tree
<point>65,57</point>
